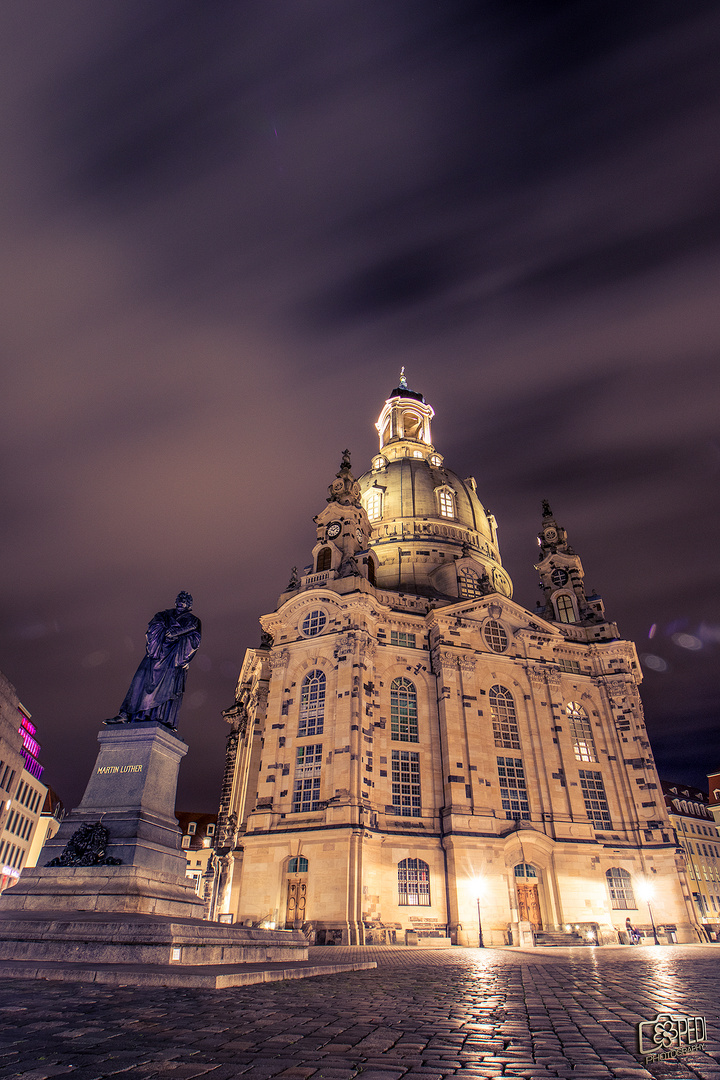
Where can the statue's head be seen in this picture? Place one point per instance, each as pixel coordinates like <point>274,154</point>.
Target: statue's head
<point>184,600</point>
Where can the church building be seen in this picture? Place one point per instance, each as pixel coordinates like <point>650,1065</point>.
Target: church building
<point>415,756</point>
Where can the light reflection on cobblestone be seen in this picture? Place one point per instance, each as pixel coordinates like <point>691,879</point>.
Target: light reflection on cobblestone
<point>423,1015</point>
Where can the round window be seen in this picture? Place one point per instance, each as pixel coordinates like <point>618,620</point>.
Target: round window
<point>559,577</point>
<point>495,636</point>
<point>313,623</point>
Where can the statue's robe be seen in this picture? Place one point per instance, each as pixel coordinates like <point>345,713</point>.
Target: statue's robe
<point>159,683</point>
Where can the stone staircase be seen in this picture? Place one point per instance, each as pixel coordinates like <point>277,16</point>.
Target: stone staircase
<point>560,937</point>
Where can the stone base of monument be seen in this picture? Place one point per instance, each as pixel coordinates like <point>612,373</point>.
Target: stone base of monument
<point>133,918</point>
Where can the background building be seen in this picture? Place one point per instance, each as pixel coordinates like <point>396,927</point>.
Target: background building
<point>21,790</point>
<point>411,751</point>
<point>698,835</point>
<point>51,816</point>
<point>198,838</point>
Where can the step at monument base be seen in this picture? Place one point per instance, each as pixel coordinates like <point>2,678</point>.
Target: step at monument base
<point>84,937</point>
<point>208,977</point>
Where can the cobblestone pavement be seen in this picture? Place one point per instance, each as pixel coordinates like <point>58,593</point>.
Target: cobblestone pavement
<point>422,1015</point>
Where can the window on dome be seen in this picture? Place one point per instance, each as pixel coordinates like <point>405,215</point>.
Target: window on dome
<point>324,560</point>
<point>436,460</point>
<point>446,502</point>
<point>564,608</point>
<point>417,453</point>
<point>469,583</point>
<point>374,505</point>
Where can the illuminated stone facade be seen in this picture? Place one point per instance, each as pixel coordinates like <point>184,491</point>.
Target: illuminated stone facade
<point>412,753</point>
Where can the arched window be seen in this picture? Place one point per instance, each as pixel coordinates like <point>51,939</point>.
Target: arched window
<point>581,731</point>
<point>313,623</point>
<point>324,559</point>
<point>412,425</point>
<point>403,711</point>
<point>504,718</point>
<point>312,704</point>
<point>620,886</point>
<point>371,569</point>
<point>469,583</point>
<point>524,870</point>
<point>564,608</point>
<point>374,505</point>
<point>495,635</point>
<point>446,503</point>
<point>414,882</point>
<point>297,865</point>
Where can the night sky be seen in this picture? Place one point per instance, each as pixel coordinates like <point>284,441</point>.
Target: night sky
<point>227,224</point>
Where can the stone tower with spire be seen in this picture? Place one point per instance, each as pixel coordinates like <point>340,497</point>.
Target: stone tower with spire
<point>415,757</point>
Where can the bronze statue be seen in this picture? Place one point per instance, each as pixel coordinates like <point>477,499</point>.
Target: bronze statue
<point>158,685</point>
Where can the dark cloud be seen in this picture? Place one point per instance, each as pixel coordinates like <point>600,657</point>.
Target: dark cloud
<point>227,226</point>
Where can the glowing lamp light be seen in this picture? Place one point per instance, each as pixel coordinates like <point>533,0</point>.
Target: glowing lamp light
<point>645,891</point>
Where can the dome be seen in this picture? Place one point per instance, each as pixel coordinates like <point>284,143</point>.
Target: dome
<point>431,534</point>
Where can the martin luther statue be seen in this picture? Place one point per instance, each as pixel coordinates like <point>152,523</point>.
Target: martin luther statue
<point>158,685</point>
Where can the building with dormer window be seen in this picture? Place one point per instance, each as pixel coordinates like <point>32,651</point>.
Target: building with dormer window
<point>413,755</point>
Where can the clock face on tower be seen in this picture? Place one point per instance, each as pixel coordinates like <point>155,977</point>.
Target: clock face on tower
<point>359,536</point>
<point>333,530</point>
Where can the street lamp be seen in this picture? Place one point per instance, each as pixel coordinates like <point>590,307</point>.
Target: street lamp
<point>480,891</point>
<point>645,890</point>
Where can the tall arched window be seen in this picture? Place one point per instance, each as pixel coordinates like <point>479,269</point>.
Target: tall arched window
<point>412,425</point>
<point>414,882</point>
<point>564,608</point>
<point>469,583</point>
<point>504,718</point>
<point>620,886</point>
<point>324,559</point>
<point>403,711</point>
<point>312,704</point>
<point>371,569</point>
<point>581,731</point>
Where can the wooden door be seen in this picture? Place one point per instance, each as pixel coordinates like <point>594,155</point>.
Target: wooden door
<point>529,905</point>
<point>295,914</point>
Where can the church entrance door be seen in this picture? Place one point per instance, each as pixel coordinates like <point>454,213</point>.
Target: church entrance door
<point>529,905</point>
<point>295,914</point>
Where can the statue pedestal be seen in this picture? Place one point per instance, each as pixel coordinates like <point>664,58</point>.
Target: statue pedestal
<point>138,922</point>
<point>131,792</point>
